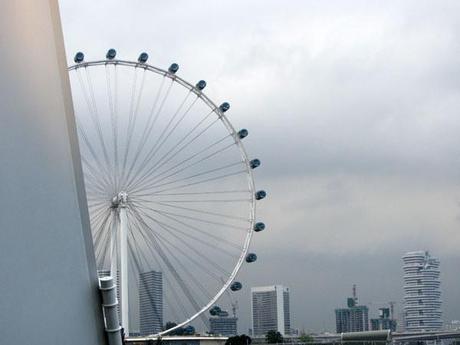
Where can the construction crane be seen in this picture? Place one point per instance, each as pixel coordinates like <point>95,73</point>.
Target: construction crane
<point>390,303</point>
<point>233,303</point>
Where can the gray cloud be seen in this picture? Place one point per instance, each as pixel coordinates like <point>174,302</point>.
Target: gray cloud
<point>353,109</point>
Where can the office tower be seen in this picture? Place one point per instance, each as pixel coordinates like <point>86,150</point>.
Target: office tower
<point>354,318</point>
<point>270,310</point>
<point>150,302</point>
<point>222,324</point>
<point>422,299</point>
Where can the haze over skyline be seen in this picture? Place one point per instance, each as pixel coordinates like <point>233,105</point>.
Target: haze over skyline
<point>352,109</point>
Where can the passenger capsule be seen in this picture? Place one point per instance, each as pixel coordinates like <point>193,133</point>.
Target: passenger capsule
<point>111,53</point>
<point>254,163</point>
<point>189,330</point>
<point>79,57</point>
<point>259,226</point>
<point>173,68</point>
<point>236,286</point>
<point>200,85</point>
<point>251,257</point>
<point>243,133</point>
<point>260,194</point>
<point>215,310</point>
<point>143,58</point>
<point>224,107</point>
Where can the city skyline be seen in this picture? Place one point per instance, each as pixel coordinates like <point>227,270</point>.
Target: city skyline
<point>352,112</point>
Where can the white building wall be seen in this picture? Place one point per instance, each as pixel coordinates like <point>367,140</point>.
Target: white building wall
<point>422,300</point>
<point>48,285</point>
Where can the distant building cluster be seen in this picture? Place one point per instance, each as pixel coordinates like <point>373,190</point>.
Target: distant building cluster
<point>354,318</point>
<point>270,310</point>
<point>422,301</point>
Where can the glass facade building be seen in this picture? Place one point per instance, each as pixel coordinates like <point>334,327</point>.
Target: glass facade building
<point>150,302</point>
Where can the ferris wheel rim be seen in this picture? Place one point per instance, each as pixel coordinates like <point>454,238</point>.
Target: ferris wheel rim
<point>244,155</point>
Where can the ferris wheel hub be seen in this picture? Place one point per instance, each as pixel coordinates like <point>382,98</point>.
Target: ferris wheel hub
<point>120,200</point>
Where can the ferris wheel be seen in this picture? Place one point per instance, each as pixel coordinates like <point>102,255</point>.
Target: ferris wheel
<point>170,190</point>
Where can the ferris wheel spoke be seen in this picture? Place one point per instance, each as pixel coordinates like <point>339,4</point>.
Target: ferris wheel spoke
<point>196,219</point>
<point>219,268</point>
<point>95,205</point>
<point>202,173</point>
<point>172,287</point>
<point>156,147</point>
<point>158,144</point>
<point>165,203</point>
<point>186,290</point>
<point>112,103</point>
<point>151,121</point>
<point>186,145</point>
<point>134,106</point>
<point>93,155</point>
<point>187,159</point>
<point>187,111</point>
<point>96,118</point>
<point>220,177</point>
<point>154,179</point>
<point>99,234</point>
<point>99,227</point>
<point>99,216</point>
<point>191,227</point>
<point>107,255</point>
<point>97,210</point>
<point>201,241</point>
<point>236,191</point>
<point>191,259</point>
<point>152,168</point>
<point>163,101</point>
<point>134,254</point>
<point>94,185</point>
<point>198,290</point>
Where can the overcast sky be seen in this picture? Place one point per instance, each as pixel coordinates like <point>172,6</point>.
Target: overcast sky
<point>352,106</point>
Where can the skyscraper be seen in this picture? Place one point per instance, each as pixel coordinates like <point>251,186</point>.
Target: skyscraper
<point>355,318</point>
<point>270,310</point>
<point>422,300</point>
<point>150,302</point>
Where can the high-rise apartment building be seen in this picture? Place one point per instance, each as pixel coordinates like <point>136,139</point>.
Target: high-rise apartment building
<point>150,302</point>
<point>422,299</point>
<point>354,318</point>
<point>270,310</point>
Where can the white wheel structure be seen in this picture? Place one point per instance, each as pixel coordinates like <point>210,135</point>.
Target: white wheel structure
<point>170,190</point>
